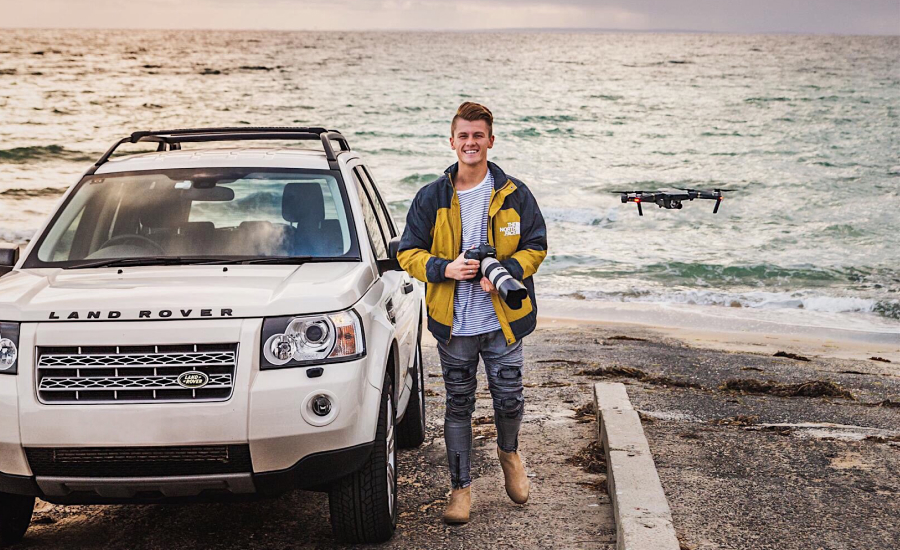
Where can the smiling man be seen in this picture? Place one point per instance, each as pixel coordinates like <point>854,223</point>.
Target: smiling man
<point>475,202</point>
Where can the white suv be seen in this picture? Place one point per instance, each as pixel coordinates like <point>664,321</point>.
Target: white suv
<point>205,323</point>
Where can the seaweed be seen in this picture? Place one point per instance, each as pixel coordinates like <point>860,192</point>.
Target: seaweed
<point>813,388</point>
<point>591,458</point>
<point>738,420</point>
<point>638,374</point>
<point>790,356</point>
<point>586,412</point>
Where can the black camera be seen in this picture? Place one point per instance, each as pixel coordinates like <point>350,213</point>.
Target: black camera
<point>512,291</point>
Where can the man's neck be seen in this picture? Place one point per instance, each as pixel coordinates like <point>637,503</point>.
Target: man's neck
<point>470,176</point>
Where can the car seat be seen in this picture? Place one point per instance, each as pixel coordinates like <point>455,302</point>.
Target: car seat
<point>303,203</point>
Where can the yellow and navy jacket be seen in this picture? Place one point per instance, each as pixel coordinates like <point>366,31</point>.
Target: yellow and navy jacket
<point>433,238</point>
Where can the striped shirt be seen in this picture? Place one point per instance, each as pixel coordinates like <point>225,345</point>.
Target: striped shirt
<point>473,309</point>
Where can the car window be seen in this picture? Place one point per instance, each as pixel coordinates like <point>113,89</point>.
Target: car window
<point>386,217</point>
<point>221,212</point>
<point>373,226</point>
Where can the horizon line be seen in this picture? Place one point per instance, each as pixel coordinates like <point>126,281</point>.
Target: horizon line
<point>573,30</point>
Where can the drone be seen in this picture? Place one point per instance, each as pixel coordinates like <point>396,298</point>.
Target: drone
<point>671,201</point>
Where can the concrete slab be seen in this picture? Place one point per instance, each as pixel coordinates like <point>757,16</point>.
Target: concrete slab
<point>643,517</point>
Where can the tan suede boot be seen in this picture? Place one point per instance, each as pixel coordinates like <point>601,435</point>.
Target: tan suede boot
<point>457,510</point>
<point>517,484</point>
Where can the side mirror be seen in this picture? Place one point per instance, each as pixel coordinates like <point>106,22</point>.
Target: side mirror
<point>391,263</point>
<point>8,259</point>
<point>393,248</point>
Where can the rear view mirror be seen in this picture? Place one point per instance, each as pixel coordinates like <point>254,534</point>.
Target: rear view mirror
<point>210,194</point>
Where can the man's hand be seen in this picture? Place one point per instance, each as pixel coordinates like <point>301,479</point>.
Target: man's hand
<point>461,269</point>
<point>488,286</point>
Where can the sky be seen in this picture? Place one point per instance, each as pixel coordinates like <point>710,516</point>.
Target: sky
<point>740,16</point>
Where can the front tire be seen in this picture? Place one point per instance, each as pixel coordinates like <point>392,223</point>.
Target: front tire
<point>15,517</point>
<point>363,504</point>
<point>411,430</point>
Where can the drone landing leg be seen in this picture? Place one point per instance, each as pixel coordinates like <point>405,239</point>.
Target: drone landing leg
<point>640,210</point>
<point>718,202</point>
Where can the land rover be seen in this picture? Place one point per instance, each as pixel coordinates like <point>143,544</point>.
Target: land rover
<point>212,322</point>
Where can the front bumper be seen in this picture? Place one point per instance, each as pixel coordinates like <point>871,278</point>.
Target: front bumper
<point>268,412</point>
<point>314,472</point>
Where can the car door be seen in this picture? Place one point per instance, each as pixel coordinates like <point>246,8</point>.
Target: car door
<point>409,304</point>
<point>398,298</point>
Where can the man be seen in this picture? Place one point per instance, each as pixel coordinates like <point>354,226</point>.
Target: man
<point>474,202</point>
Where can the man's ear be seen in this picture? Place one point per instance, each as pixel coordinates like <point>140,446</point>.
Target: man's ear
<point>491,143</point>
<point>452,144</point>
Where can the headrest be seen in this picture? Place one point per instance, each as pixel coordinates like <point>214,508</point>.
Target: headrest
<point>303,202</point>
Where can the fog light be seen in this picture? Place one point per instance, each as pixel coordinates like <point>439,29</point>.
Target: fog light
<point>321,405</point>
<point>8,353</point>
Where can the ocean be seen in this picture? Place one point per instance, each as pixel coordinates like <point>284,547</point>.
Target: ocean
<point>804,129</point>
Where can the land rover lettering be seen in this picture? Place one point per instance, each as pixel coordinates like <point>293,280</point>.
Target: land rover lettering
<point>141,314</point>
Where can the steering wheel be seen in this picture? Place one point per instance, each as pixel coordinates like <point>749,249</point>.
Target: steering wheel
<point>136,238</point>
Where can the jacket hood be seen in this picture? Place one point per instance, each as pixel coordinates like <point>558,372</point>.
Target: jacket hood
<point>181,292</point>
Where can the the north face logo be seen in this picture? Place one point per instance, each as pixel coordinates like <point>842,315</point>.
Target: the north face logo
<point>512,228</point>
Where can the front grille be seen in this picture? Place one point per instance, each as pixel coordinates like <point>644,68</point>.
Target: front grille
<point>139,461</point>
<point>133,374</point>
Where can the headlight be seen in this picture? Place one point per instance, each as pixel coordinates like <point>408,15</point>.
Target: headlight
<point>9,347</point>
<point>313,339</point>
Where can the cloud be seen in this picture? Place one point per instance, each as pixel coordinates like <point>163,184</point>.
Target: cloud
<point>805,16</point>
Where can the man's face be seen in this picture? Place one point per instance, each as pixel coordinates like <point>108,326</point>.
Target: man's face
<point>470,140</point>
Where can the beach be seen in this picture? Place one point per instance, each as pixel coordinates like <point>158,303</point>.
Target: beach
<point>753,451</point>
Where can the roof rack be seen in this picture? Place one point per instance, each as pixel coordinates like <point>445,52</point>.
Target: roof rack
<point>171,140</point>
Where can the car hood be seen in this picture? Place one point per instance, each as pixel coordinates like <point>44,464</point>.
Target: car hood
<point>181,292</point>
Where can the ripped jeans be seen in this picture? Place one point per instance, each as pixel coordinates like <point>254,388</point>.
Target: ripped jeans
<point>459,364</point>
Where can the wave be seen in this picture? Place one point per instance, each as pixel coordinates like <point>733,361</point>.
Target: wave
<point>32,193</point>
<point>582,216</point>
<point>548,118</point>
<point>418,180</point>
<point>374,133</point>
<point>20,155</point>
<point>807,300</point>
<point>526,133</point>
<point>762,275</point>
<point>766,99</point>
<point>16,236</point>
<point>717,273</point>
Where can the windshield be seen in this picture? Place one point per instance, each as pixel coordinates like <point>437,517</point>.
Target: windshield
<point>200,213</point>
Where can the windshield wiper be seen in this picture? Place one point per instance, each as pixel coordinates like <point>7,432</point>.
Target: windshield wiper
<point>286,260</point>
<point>146,260</point>
<point>181,260</point>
